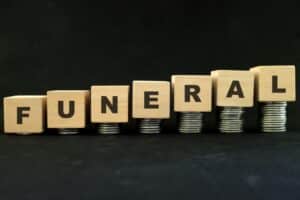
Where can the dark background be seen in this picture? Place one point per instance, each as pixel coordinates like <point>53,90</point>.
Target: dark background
<point>74,44</point>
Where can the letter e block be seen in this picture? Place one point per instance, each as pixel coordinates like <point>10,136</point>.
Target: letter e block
<point>109,104</point>
<point>233,88</point>
<point>192,93</point>
<point>151,99</point>
<point>24,114</point>
<point>275,83</point>
<point>67,108</point>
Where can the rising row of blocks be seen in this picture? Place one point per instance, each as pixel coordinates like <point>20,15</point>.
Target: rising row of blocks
<point>192,95</point>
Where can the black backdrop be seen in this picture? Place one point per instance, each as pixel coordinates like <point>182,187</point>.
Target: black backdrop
<point>74,44</point>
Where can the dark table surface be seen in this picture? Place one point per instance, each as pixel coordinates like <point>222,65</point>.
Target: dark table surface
<point>167,166</point>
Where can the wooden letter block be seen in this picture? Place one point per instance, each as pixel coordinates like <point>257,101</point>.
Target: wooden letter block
<point>67,108</point>
<point>151,99</point>
<point>275,83</point>
<point>233,88</point>
<point>192,93</point>
<point>109,104</point>
<point>24,114</point>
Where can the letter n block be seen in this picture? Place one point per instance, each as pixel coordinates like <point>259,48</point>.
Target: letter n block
<point>24,114</point>
<point>233,88</point>
<point>109,104</point>
<point>192,93</point>
<point>67,108</point>
<point>275,83</point>
<point>151,99</point>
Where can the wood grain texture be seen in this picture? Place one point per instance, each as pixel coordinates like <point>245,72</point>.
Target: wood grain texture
<point>119,91</point>
<point>33,123</point>
<point>286,79</point>
<point>222,81</point>
<point>163,99</point>
<point>204,82</point>
<point>81,100</point>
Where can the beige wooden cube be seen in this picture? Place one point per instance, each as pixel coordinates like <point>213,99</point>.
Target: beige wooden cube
<point>109,104</point>
<point>67,108</point>
<point>233,88</point>
<point>192,93</point>
<point>275,83</point>
<point>24,114</point>
<point>151,99</point>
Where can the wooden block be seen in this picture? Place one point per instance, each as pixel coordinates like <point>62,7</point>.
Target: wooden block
<point>24,114</point>
<point>275,83</point>
<point>151,99</point>
<point>192,93</point>
<point>109,104</point>
<point>233,88</point>
<point>67,108</point>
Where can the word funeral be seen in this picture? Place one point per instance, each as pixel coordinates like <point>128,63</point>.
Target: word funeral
<point>107,106</point>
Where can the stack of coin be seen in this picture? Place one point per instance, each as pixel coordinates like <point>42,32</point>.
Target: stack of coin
<point>190,122</point>
<point>150,126</point>
<point>274,117</point>
<point>231,120</point>
<point>68,131</point>
<point>109,128</point>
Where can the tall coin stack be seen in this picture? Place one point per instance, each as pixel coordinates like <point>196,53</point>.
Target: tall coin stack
<point>274,117</point>
<point>190,122</point>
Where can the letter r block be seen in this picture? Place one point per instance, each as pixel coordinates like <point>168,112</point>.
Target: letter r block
<point>275,83</point>
<point>233,88</point>
<point>151,99</point>
<point>114,109</point>
<point>192,93</point>
<point>24,114</point>
<point>67,108</point>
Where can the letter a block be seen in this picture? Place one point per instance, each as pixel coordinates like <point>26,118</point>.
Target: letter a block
<point>192,93</point>
<point>151,99</point>
<point>233,88</point>
<point>109,104</point>
<point>67,108</point>
<point>275,83</point>
<point>24,114</point>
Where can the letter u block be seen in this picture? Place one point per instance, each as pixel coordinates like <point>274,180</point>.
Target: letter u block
<point>67,108</point>
<point>275,83</point>
<point>109,104</point>
<point>233,88</point>
<point>192,93</point>
<point>151,99</point>
<point>24,114</point>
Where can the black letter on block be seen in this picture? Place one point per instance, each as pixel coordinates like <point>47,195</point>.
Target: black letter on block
<point>235,89</point>
<point>148,99</point>
<point>113,106</point>
<point>275,88</point>
<point>191,91</point>
<point>20,114</point>
<point>61,109</point>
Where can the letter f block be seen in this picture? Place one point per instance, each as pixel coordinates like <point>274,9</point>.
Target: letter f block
<point>24,114</point>
<point>67,108</point>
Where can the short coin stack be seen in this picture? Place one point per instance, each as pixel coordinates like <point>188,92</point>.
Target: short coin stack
<point>150,126</point>
<point>231,120</point>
